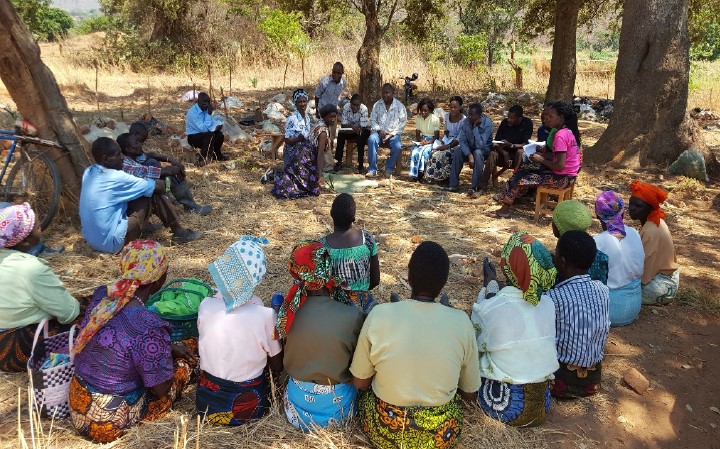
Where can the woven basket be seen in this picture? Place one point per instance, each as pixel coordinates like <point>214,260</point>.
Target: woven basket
<point>181,326</point>
<point>51,386</point>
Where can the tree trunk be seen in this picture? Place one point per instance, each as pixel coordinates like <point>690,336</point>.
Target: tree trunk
<point>651,86</point>
<point>564,60</point>
<point>368,58</point>
<point>35,91</point>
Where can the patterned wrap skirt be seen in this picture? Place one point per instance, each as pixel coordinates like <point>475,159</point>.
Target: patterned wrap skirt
<point>309,405</point>
<point>419,157</point>
<point>16,345</point>
<point>573,381</point>
<point>299,177</point>
<point>392,427</point>
<point>227,403</point>
<point>522,180</point>
<point>661,289</point>
<point>440,163</point>
<point>524,405</point>
<point>105,417</point>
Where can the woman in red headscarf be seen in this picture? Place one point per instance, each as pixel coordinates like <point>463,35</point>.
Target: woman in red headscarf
<point>661,272</point>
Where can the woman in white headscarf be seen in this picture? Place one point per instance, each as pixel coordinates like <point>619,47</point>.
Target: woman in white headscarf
<point>236,341</point>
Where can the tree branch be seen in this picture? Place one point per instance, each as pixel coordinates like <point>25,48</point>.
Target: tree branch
<point>390,17</point>
<point>358,5</point>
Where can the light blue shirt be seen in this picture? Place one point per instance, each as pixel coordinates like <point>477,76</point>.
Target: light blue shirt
<point>104,197</point>
<point>198,121</point>
<point>473,138</point>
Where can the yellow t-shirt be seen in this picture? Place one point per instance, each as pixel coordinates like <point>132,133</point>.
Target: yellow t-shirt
<point>428,126</point>
<point>419,352</point>
<point>659,250</point>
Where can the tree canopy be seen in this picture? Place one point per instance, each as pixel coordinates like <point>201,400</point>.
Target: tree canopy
<point>43,21</point>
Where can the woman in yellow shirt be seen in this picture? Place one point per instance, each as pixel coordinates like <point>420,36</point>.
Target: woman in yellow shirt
<point>427,132</point>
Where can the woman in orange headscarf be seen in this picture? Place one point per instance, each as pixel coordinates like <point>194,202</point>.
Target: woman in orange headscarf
<point>661,273</point>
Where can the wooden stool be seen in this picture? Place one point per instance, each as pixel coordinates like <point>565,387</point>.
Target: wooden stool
<point>277,141</point>
<point>543,203</point>
<point>350,149</point>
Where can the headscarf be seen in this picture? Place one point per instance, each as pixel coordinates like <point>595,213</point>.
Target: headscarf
<point>239,270</point>
<point>299,93</point>
<point>571,215</point>
<point>653,195</point>
<point>528,265</point>
<point>142,262</point>
<point>16,223</point>
<point>609,208</point>
<point>311,266</point>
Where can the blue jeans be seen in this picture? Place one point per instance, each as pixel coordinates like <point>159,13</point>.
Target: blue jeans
<point>457,164</point>
<point>374,143</point>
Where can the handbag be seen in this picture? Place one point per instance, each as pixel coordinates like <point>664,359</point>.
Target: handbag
<point>51,386</point>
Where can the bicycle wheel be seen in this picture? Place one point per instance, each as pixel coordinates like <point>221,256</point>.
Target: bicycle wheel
<point>36,179</point>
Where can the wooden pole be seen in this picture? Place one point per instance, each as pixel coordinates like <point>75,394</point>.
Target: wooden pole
<point>147,95</point>
<point>212,97</point>
<point>230,88</point>
<point>224,100</point>
<point>97,96</point>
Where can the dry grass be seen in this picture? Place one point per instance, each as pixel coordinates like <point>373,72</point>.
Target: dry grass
<point>183,429</point>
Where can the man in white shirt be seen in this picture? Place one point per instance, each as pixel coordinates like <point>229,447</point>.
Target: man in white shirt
<point>356,123</point>
<point>387,121</point>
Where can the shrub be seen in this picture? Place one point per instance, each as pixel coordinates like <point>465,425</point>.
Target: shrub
<point>44,22</point>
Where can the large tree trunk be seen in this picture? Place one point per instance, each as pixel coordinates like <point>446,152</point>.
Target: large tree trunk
<point>564,61</point>
<point>368,58</point>
<point>651,86</point>
<point>35,91</point>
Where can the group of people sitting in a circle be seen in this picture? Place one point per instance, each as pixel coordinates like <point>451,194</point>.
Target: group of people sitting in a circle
<point>435,156</point>
<point>402,367</point>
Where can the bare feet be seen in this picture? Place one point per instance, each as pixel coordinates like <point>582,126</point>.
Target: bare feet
<point>503,212</point>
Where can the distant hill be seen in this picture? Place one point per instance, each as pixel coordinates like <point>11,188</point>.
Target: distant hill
<point>76,5</point>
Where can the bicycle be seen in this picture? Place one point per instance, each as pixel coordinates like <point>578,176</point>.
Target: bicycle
<point>33,176</point>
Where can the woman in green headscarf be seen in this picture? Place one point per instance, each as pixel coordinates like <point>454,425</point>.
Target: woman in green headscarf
<point>515,330</point>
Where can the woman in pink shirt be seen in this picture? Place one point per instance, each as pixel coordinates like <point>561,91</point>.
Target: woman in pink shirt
<point>558,167</point>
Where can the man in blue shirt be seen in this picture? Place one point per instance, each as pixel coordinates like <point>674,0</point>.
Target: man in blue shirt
<point>115,206</point>
<point>203,131</point>
<point>475,142</point>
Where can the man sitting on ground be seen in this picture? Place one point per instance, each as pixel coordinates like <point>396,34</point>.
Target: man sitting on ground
<point>354,116</point>
<point>475,140</point>
<point>661,273</point>
<point>514,132</point>
<point>582,319</point>
<point>115,206</point>
<point>151,169</point>
<point>203,131</point>
<point>387,120</point>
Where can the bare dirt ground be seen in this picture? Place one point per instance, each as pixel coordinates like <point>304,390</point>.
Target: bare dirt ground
<point>675,346</point>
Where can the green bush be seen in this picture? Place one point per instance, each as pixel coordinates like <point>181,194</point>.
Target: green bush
<point>284,32</point>
<point>709,49</point>
<point>95,24</point>
<point>44,22</point>
<point>470,49</point>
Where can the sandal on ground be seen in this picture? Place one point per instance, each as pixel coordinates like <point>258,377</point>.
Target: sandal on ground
<point>187,236</point>
<point>494,214</point>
